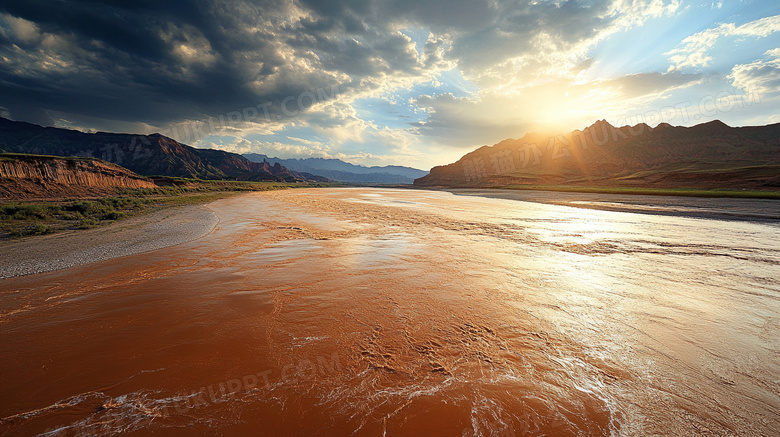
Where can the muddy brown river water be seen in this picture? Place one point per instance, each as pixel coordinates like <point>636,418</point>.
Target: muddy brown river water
<point>372,312</point>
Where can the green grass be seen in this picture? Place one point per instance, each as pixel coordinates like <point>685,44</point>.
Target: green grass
<point>689,192</point>
<point>27,218</point>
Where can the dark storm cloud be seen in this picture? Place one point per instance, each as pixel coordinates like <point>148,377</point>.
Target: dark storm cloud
<point>118,60</point>
<point>162,62</point>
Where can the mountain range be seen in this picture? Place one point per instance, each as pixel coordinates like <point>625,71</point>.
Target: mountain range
<point>339,170</point>
<point>143,154</point>
<point>709,155</point>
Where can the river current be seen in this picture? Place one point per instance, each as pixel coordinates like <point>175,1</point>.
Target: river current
<point>371,312</point>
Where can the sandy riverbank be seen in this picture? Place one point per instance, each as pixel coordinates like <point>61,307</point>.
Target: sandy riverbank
<point>154,231</point>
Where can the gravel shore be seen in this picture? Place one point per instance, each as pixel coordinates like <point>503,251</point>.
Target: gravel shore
<point>145,233</point>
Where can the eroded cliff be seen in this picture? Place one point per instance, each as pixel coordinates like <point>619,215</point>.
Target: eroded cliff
<point>25,176</point>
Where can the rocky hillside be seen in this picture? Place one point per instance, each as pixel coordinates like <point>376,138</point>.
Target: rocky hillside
<point>710,154</point>
<point>143,154</point>
<point>29,176</point>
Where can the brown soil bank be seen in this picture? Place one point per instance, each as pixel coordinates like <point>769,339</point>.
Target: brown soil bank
<point>37,177</point>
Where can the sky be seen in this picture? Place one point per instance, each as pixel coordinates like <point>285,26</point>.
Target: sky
<point>384,82</point>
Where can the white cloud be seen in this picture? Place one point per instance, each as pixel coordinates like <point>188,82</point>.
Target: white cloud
<point>695,50</point>
<point>544,41</point>
<point>761,76</point>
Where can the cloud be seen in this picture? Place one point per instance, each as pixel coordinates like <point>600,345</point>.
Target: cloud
<point>163,62</point>
<point>645,84</point>
<point>695,50</point>
<point>761,76</point>
<point>535,41</point>
<point>152,63</point>
<point>491,117</point>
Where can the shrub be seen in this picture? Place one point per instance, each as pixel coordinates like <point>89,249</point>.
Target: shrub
<point>40,229</point>
<point>113,215</point>
<point>37,229</point>
<point>20,211</point>
<point>81,206</point>
<point>87,223</point>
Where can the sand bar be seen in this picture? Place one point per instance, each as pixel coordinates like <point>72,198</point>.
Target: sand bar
<point>140,234</point>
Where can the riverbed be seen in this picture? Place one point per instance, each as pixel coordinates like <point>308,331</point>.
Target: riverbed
<point>373,312</point>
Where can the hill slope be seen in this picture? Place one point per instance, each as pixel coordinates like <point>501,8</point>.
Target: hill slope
<point>143,154</point>
<point>31,176</point>
<point>339,170</point>
<point>707,155</point>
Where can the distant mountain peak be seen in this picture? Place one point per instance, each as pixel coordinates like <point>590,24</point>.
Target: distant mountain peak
<point>639,126</point>
<point>715,123</point>
<point>602,122</point>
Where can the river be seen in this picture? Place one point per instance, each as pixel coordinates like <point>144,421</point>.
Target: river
<point>371,312</point>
